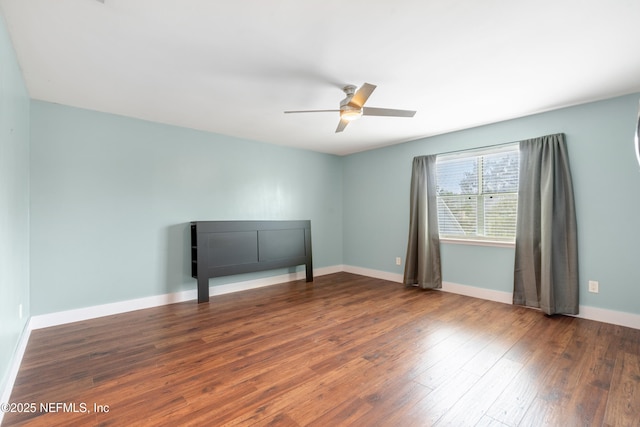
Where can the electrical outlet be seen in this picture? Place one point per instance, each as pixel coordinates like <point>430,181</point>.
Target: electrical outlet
<point>20,311</point>
<point>398,261</point>
<point>594,286</point>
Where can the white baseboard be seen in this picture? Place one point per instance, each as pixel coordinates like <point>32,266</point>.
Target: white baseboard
<point>613,317</point>
<point>52,319</point>
<point>378,274</point>
<point>15,366</point>
<point>95,311</point>
<point>268,281</point>
<point>79,314</point>
<point>482,293</point>
<point>620,318</point>
<point>454,288</point>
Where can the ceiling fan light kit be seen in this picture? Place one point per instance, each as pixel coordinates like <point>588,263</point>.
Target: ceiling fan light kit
<point>349,114</point>
<point>352,107</point>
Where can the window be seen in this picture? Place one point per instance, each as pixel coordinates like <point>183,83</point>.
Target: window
<point>477,194</point>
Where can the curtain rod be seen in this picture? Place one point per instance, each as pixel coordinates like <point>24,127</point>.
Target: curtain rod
<point>488,146</point>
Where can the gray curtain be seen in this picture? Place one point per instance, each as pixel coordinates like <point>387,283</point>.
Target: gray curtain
<point>422,266</point>
<point>546,263</point>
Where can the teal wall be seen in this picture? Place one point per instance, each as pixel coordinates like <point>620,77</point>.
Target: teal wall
<point>111,199</point>
<point>14,203</point>
<point>606,180</point>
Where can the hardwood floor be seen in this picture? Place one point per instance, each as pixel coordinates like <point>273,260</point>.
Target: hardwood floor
<point>345,350</point>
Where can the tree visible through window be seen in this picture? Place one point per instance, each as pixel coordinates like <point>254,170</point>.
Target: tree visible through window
<point>477,194</point>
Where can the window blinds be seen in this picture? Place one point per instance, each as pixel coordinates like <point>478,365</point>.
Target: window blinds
<point>477,194</point>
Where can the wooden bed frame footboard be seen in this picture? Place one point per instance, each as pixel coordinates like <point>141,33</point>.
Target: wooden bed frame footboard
<point>224,248</point>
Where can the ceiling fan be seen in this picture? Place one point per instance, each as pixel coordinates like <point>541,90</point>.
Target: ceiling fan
<point>352,107</point>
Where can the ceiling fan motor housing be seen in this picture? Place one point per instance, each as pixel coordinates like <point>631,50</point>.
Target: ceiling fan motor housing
<point>349,90</point>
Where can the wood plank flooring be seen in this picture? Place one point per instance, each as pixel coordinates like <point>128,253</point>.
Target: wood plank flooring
<point>344,350</point>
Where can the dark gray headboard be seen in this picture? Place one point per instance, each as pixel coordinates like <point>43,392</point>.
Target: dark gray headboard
<point>223,248</point>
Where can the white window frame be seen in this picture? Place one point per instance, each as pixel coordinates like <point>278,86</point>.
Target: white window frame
<point>479,238</point>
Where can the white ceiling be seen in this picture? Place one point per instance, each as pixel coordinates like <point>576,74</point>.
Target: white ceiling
<point>233,67</point>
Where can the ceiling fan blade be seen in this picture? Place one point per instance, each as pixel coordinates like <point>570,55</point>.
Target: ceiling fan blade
<point>341,125</point>
<point>361,95</point>
<point>372,111</point>
<point>312,111</point>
